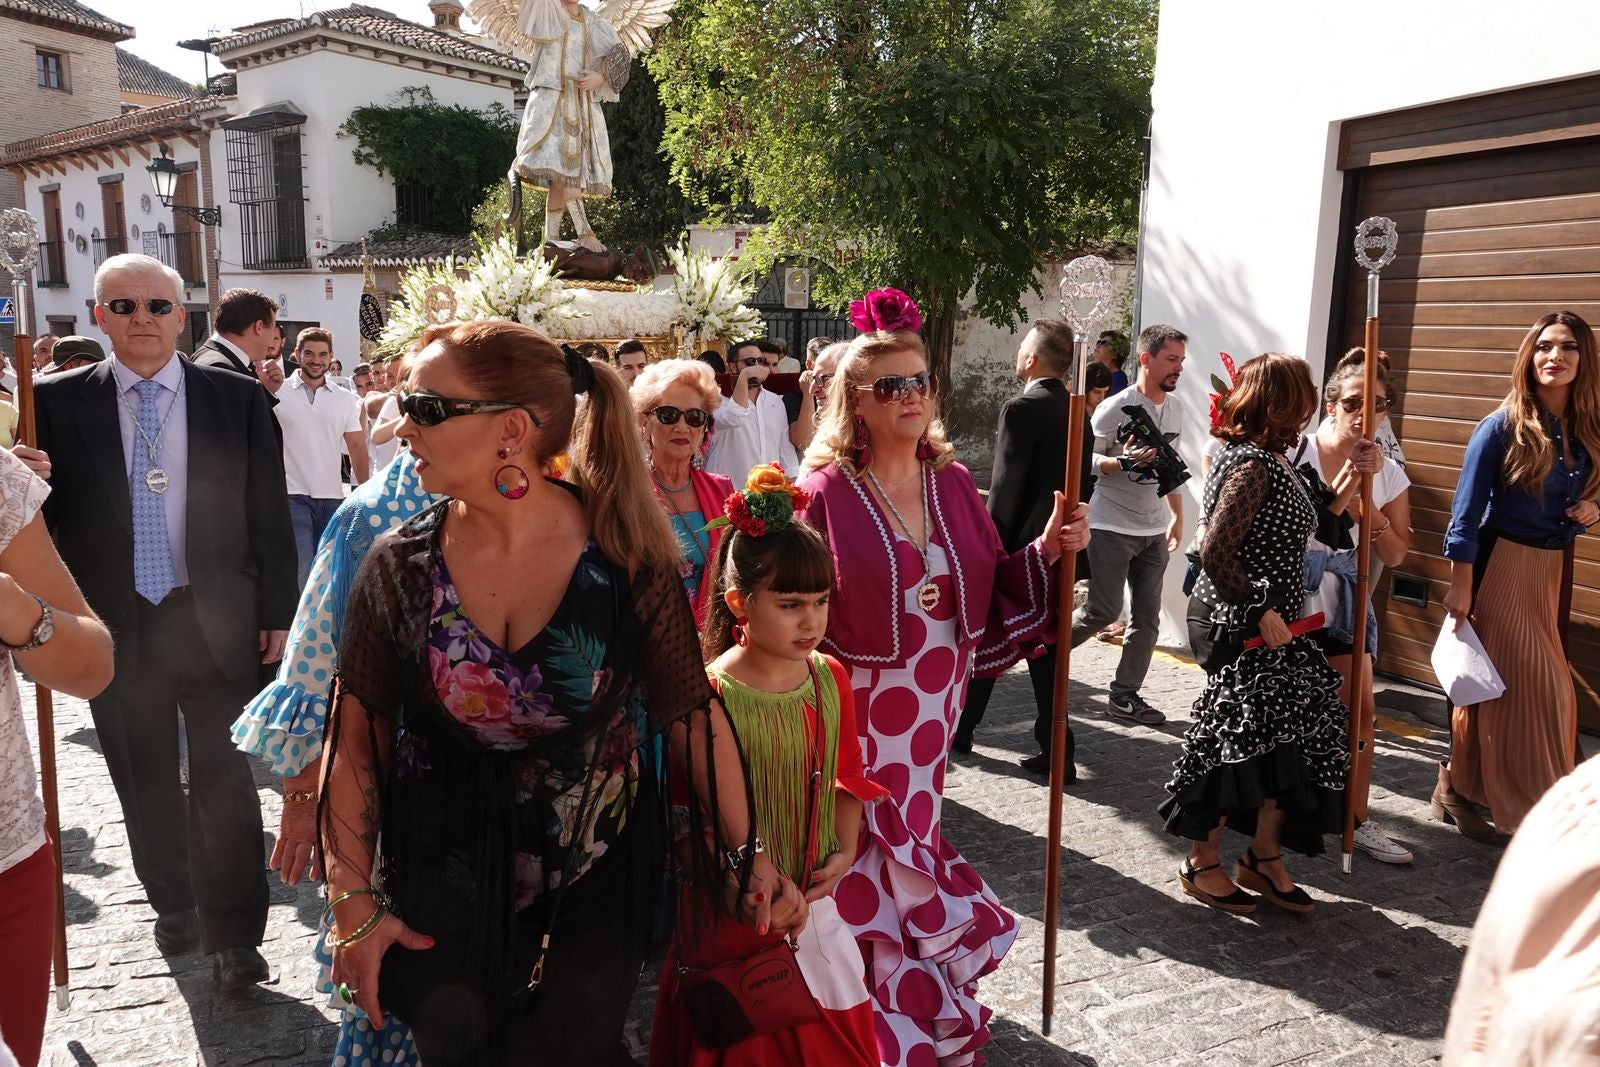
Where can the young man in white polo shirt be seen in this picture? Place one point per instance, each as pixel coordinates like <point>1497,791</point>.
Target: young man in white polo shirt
<point>321,422</point>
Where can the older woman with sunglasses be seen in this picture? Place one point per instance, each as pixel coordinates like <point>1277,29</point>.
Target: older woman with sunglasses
<point>675,399</point>
<point>491,824</point>
<point>925,594</point>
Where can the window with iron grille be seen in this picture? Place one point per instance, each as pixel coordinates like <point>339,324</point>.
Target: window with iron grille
<point>53,249</point>
<point>413,204</point>
<point>51,69</point>
<point>265,178</point>
<point>113,214</point>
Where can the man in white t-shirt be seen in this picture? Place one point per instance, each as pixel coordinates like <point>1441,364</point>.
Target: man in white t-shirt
<point>752,426</point>
<point>1135,531</point>
<point>321,422</point>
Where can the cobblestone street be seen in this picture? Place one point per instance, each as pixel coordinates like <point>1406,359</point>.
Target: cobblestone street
<point>1146,976</point>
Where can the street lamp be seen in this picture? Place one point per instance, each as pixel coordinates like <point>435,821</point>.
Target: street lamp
<point>164,176</point>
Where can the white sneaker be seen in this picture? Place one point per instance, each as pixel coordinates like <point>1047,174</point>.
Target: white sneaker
<point>1375,843</point>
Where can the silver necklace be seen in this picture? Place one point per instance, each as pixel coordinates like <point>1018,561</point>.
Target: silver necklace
<point>928,594</point>
<point>155,479</point>
<point>655,476</point>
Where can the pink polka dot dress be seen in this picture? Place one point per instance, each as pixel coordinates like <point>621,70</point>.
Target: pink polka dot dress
<point>928,926</point>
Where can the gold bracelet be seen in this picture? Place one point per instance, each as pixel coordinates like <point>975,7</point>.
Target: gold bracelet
<point>367,928</point>
<point>364,891</point>
<point>301,796</point>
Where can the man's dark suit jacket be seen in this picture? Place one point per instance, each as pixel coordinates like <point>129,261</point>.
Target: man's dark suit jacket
<point>212,354</point>
<point>1030,461</point>
<point>240,544</point>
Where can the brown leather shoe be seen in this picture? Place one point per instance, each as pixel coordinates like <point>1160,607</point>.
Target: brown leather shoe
<point>1453,809</point>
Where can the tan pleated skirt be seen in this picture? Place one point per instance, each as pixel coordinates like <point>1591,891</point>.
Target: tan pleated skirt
<point>1505,753</point>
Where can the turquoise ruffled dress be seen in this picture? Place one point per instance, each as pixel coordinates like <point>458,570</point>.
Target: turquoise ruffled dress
<point>283,724</point>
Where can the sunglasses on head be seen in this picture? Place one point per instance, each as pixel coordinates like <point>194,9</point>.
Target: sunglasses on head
<point>897,388</point>
<point>667,415</point>
<point>1352,404</point>
<point>430,409</point>
<point>125,307</point>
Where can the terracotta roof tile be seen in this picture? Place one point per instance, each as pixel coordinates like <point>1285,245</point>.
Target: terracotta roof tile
<point>402,251</point>
<point>139,123</point>
<point>135,75</point>
<point>376,24</point>
<point>68,13</point>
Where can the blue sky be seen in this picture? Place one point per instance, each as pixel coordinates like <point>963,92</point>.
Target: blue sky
<point>159,25</point>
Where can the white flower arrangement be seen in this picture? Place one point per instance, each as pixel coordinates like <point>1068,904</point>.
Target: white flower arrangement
<point>612,314</point>
<point>500,285</point>
<point>710,296</point>
<point>408,316</point>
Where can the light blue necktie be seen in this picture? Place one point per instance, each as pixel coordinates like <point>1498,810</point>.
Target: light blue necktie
<point>152,551</point>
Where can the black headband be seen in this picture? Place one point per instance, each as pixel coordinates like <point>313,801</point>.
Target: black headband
<point>578,369</point>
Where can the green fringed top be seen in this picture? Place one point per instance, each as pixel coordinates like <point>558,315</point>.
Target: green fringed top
<point>774,730</point>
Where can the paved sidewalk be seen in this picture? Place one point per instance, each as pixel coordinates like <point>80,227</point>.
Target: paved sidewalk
<point>1145,976</point>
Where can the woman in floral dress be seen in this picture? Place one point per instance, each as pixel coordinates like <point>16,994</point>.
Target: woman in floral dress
<point>925,593</point>
<point>491,826</point>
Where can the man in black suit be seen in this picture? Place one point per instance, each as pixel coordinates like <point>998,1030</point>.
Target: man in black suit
<point>1030,462</point>
<point>167,503</point>
<point>246,333</point>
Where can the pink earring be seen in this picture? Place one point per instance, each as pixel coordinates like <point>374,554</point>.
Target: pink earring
<point>510,481</point>
<point>862,452</point>
<point>925,450</point>
<point>740,638</point>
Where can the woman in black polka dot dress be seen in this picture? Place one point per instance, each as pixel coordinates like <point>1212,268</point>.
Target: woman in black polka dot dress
<point>1266,754</point>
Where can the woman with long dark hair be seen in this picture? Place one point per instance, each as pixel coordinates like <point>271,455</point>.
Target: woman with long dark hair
<point>1529,486</point>
<point>491,824</point>
<point>1266,752</point>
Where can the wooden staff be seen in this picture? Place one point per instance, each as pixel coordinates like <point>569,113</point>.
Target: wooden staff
<point>1376,234</point>
<point>1085,278</point>
<point>28,434</point>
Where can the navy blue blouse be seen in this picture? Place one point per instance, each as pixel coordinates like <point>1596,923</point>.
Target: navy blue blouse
<point>1483,499</point>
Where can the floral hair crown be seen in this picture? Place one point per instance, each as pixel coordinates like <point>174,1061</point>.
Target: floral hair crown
<point>766,504</point>
<point>1223,389</point>
<point>886,310</point>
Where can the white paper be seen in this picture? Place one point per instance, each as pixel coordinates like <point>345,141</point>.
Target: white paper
<point>1463,666</point>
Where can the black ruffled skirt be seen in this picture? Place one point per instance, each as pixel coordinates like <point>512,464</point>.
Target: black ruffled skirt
<point>1268,726</point>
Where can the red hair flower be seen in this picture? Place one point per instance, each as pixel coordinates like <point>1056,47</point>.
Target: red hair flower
<point>886,310</point>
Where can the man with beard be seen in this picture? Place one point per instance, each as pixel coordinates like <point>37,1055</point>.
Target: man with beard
<point>752,424</point>
<point>1134,531</point>
<point>320,423</point>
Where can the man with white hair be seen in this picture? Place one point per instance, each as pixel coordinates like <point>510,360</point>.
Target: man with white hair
<point>167,504</point>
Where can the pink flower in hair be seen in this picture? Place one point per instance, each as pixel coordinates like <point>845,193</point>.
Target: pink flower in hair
<point>887,310</point>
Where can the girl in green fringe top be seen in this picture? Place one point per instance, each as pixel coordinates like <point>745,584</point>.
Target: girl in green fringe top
<point>795,716</point>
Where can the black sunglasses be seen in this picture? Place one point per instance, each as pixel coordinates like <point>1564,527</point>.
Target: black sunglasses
<point>430,409</point>
<point>125,307</point>
<point>1352,404</point>
<point>667,415</point>
<point>897,388</point>
<point>752,361</point>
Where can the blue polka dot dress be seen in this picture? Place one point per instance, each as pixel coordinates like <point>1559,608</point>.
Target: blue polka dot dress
<point>283,724</point>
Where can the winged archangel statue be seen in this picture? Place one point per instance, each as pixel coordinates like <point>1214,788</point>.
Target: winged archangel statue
<point>577,58</point>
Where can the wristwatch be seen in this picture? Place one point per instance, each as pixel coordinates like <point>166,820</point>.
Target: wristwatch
<point>43,630</point>
<point>738,857</point>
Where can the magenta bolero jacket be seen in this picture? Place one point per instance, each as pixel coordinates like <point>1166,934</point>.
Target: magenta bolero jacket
<point>1006,603</point>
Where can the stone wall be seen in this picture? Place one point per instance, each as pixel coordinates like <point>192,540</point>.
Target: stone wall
<point>983,368</point>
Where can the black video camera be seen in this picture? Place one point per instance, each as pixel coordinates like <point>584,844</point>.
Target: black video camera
<point>1167,468</point>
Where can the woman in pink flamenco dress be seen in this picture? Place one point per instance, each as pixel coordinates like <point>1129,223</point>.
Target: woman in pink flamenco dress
<point>925,593</point>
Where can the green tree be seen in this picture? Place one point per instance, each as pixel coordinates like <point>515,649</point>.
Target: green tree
<point>454,151</point>
<point>941,146</point>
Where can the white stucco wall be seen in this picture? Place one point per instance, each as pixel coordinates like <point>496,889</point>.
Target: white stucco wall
<point>1241,232</point>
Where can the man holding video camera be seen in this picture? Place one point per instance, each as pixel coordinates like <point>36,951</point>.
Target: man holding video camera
<point>1136,525</point>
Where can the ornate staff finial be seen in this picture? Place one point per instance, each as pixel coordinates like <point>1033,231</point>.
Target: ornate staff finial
<point>1086,280</point>
<point>19,242</point>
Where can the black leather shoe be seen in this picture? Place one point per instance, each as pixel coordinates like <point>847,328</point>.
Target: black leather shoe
<point>236,968</point>
<point>178,932</point>
<point>1040,765</point>
<point>961,744</point>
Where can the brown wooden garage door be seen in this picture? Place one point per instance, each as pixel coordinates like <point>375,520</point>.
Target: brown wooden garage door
<point>1488,242</point>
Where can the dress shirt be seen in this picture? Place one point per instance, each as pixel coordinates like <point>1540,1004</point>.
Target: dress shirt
<point>314,423</point>
<point>748,437</point>
<point>1483,499</point>
<point>238,353</point>
<point>172,454</point>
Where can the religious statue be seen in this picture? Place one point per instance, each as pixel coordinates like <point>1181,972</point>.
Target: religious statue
<point>578,58</point>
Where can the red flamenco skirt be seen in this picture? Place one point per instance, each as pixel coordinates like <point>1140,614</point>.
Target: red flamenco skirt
<point>832,965</point>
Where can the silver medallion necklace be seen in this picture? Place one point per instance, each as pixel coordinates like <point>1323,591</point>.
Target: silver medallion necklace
<point>155,478</point>
<point>928,594</point>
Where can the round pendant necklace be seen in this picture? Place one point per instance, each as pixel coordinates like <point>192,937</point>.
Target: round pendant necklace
<point>155,478</point>
<point>928,594</point>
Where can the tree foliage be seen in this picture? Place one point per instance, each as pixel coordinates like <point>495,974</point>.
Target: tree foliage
<point>941,146</point>
<point>456,151</point>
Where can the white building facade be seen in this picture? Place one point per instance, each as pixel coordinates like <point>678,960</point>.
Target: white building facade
<point>1475,126</point>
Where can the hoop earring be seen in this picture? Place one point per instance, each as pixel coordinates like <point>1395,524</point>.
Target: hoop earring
<point>740,638</point>
<point>861,453</point>
<point>510,480</point>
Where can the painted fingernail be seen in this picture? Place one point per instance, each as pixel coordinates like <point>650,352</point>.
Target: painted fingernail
<point>761,898</point>
<point>761,929</point>
<point>428,942</point>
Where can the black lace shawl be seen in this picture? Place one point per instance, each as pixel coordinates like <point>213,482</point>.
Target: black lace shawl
<point>491,799</point>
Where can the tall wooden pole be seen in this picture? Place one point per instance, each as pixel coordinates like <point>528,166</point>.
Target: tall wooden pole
<point>28,434</point>
<point>1374,235</point>
<point>1087,278</point>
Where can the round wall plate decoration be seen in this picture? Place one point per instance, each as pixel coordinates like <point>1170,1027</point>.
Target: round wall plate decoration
<point>144,203</point>
<point>161,228</point>
<point>78,209</point>
<point>72,237</point>
<point>134,231</point>
<point>83,244</point>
